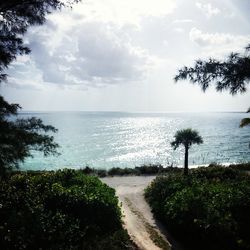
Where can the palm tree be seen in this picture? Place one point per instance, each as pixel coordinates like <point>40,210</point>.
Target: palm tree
<point>186,137</point>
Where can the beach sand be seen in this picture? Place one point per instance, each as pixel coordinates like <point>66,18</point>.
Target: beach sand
<point>143,228</point>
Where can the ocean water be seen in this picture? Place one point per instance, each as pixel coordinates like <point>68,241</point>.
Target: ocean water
<point>112,139</point>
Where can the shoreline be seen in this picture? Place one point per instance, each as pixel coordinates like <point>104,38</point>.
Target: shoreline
<point>22,167</point>
<point>144,170</point>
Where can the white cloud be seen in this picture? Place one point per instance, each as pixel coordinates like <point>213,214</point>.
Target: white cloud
<point>205,39</point>
<point>17,84</point>
<point>124,11</point>
<point>105,43</point>
<point>208,9</point>
<point>223,42</point>
<point>90,46</point>
<point>179,30</point>
<point>89,55</point>
<point>178,21</point>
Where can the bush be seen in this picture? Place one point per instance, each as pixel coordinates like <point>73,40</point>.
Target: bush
<point>150,169</point>
<point>217,173</point>
<point>242,166</point>
<point>207,210</point>
<point>59,210</point>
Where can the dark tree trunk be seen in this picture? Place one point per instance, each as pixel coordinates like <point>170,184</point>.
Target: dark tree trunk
<point>186,161</point>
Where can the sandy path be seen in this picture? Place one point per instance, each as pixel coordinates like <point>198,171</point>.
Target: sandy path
<point>142,227</point>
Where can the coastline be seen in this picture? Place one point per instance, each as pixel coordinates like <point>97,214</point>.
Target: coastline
<point>143,170</point>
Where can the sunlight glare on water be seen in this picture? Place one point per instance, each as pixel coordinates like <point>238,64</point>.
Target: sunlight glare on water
<point>105,139</point>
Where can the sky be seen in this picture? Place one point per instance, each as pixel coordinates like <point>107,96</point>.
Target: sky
<point>122,55</point>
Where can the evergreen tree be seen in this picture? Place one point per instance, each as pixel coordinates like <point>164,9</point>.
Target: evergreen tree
<point>231,74</point>
<point>15,18</point>
<point>18,137</point>
<point>245,122</point>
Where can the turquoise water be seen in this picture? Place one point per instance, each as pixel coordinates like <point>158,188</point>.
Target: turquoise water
<point>108,139</point>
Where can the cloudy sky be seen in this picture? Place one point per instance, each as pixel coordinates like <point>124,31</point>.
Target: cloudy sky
<point>122,55</point>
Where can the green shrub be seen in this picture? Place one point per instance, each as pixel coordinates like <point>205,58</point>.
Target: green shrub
<point>58,210</point>
<point>207,210</point>
<point>149,169</point>
<point>217,173</point>
<point>162,187</point>
<point>242,166</point>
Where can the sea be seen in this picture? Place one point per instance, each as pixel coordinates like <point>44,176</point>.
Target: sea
<point>104,140</point>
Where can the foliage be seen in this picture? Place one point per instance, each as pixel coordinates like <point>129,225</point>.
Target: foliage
<point>215,172</point>
<point>59,210</point>
<point>244,122</point>
<point>186,137</point>
<point>241,166</point>
<point>149,169</point>
<point>19,136</point>
<point>211,204</point>
<point>16,17</point>
<point>233,74</point>
<point>146,169</point>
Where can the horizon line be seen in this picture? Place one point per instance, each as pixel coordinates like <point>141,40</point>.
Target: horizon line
<point>122,111</point>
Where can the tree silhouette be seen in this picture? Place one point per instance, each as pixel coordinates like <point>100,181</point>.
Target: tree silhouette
<point>18,137</point>
<point>15,18</point>
<point>186,137</point>
<point>246,121</point>
<point>232,74</point>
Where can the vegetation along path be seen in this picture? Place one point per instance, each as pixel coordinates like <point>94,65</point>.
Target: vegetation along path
<point>142,227</point>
